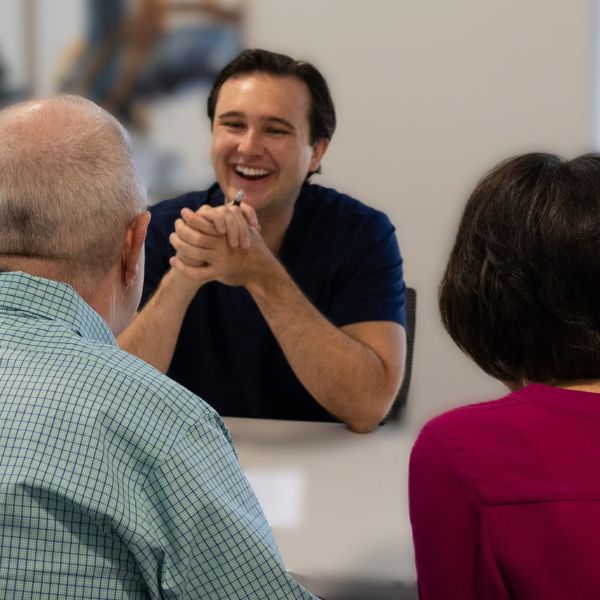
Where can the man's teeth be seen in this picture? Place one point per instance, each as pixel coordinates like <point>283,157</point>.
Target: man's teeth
<point>251,172</point>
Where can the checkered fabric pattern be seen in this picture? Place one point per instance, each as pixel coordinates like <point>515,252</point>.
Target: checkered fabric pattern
<point>115,482</point>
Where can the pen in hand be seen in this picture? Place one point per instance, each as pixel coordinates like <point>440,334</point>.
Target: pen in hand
<point>238,198</point>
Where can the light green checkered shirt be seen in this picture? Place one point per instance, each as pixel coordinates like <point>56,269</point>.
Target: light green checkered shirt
<point>115,482</point>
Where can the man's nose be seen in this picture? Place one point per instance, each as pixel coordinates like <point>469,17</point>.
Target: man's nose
<point>250,143</point>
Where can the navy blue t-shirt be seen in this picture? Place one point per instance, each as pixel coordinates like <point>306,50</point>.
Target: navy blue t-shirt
<point>342,254</point>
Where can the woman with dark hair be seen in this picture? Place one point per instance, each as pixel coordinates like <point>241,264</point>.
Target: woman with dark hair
<point>505,495</point>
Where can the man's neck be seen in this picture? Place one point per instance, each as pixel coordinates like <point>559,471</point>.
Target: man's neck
<point>98,292</point>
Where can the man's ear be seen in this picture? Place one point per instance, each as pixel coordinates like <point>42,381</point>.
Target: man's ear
<point>318,151</point>
<point>134,246</point>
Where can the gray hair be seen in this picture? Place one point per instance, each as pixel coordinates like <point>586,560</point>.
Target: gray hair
<point>68,185</point>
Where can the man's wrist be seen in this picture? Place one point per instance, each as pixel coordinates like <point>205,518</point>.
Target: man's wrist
<point>266,277</point>
<point>179,288</point>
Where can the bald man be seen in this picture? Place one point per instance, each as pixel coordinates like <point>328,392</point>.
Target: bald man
<point>115,482</point>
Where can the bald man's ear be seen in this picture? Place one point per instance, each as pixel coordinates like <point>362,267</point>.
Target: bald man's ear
<point>134,246</point>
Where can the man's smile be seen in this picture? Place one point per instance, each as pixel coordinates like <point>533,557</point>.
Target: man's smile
<point>251,173</point>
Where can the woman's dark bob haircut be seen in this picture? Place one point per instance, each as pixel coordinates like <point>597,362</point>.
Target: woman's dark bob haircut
<point>521,292</point>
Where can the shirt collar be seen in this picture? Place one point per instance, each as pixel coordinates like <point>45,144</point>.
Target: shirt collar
<point>52,300</point>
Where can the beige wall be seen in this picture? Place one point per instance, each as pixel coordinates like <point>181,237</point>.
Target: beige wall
<point>430,94</point>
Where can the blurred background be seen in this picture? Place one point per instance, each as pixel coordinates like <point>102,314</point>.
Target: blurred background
<point>429,94</point>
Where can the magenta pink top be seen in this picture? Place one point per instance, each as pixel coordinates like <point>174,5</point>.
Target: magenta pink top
<point>505,499</point>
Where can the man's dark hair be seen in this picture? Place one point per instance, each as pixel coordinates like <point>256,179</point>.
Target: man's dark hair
<point>521,292</point>
<point>322,112</point>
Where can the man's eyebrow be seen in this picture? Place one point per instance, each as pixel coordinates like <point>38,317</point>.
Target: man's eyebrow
<point>236,114</point>
<point>231,113</point>
<point>280,121</point>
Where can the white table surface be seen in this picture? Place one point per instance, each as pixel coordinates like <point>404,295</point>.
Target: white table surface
<point>337,502</point>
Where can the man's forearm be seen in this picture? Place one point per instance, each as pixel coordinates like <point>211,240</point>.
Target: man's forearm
<point>153,332</point>
<point>347,376</point>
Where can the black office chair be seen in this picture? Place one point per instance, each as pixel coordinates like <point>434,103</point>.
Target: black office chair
<point>410,306</point>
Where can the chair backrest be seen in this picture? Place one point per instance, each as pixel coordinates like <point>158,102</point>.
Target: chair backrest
<point>410,306</point>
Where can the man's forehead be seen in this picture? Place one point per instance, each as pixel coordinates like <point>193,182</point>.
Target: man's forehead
<point>265,79</point>
<point>263,94</point>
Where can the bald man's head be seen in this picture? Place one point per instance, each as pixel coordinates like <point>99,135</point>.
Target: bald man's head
<point>68,187</point>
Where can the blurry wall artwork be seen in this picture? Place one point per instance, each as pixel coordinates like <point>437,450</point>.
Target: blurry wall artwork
<point>142,60</point>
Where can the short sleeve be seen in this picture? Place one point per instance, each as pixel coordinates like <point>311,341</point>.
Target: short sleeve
<point>214,540</point>
<point>372,288</point>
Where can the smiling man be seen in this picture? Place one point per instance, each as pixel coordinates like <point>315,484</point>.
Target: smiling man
<point>289,305</point>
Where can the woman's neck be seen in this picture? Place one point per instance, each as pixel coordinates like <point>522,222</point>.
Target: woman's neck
<point>581,385</point>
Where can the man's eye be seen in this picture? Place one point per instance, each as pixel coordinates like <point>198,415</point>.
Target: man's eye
<point>277,131</point>
<point>233,124</point>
